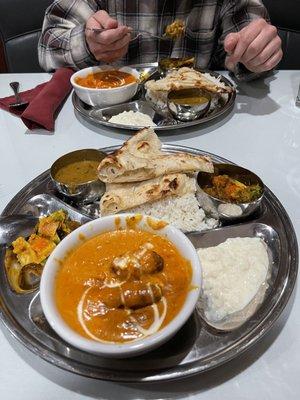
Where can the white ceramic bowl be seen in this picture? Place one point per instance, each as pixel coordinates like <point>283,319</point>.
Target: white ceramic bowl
<point>94,228</point>
<point>105,97</point>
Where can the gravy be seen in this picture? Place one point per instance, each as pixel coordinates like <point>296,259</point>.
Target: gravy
<point>106,79</point>
<point>121,286</point>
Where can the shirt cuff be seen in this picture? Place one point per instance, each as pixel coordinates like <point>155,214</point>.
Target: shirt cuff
<point>80,53</point>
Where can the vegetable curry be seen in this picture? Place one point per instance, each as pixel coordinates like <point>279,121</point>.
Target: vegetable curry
<point>121,286</point>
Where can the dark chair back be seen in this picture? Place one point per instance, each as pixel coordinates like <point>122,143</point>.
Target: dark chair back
<point>20,27</point>
<point>285,15</point>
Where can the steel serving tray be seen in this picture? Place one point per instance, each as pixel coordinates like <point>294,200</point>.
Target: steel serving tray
<point>100,116</point>
<point>195,348</point>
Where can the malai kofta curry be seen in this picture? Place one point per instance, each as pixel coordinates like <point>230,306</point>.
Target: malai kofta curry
<point>106,79</point>
<point>121,286</point>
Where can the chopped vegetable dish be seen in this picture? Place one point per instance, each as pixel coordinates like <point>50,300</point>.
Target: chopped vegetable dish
<point>231,190</point>
<point>25,259</point>
<point>49,232</point>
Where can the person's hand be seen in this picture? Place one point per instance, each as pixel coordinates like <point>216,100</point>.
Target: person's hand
<point>110,45</point>
<point>257,47</point>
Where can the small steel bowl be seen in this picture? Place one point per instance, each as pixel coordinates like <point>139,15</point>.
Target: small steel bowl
<point>166,65</point>
<point>232,211</point>
<point>86,192</point>
<point>187,112</point>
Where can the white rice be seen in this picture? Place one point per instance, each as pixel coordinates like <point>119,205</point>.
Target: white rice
<point>233,273</point>
<point>183,212</point>
<point>132,118</point>
<point>213,79</point>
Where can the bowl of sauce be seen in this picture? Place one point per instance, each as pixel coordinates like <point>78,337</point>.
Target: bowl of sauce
<point>106,79</point>
<point>105,86</point>
<point>75,175</point>
<point>131,284</point>
<point>188,104</point>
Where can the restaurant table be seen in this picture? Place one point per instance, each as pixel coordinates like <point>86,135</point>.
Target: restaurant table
<point>262,133</point>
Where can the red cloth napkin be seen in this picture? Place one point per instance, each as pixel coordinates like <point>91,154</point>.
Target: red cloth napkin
<point>44,101</point>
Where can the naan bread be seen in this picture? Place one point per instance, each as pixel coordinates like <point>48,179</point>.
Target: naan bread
<point>187,78</point>
<point>141,158</point>
<point>121,197</point>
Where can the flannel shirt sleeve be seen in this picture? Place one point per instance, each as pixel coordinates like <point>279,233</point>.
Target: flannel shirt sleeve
<point>62,42</point>
<point>235,15</point>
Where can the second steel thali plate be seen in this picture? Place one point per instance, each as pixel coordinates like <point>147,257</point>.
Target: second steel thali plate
<point>100,116</point>
<point>195,348</point>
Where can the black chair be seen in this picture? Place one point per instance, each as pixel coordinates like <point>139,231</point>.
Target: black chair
<point>285,15</point>
<point>20,27</point>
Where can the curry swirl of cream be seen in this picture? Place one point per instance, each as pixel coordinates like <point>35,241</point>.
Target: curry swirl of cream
<point>122,286</point>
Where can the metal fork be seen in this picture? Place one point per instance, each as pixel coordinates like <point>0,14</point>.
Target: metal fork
<point>138,32</point>
<point>18,103</point>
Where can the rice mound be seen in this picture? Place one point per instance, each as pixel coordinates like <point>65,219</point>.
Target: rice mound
<point>132,118</point>
<point>182,212</point>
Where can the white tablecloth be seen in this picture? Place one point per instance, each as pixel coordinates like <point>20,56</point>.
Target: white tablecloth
<point>262,134</point>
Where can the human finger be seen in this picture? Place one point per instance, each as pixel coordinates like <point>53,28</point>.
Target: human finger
<point>110,56</point>
<point>111,36</point>
<point>119,44</point>
<point>265,54</point>
<point>246,36</point>
<point>104,20</point>
<point>230,42</point>
<point>269,64</point>
<point>259,43</point>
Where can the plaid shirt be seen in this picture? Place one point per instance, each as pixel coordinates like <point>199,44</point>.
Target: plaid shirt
<point>62,42</point>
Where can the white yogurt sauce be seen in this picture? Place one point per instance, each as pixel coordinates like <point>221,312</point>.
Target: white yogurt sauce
<point>233,272</point>
<point>231,210</point>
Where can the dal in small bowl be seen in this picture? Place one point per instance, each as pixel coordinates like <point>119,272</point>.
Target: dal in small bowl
<point>188,104</point>
<point>75,175</point>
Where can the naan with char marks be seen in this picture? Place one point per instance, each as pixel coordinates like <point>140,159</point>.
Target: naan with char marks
<point>121,197</point>
<point>141,158</point>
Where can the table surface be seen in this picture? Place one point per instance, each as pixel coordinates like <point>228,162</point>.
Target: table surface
<point>262,133</point>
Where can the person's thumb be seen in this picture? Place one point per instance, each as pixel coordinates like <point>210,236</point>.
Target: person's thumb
<point>111,24</point>
<point>230,42</point>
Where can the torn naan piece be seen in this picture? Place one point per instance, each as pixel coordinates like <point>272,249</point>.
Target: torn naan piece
<point>121,197</point>
<point>141,158</point>
<point>186,78</point>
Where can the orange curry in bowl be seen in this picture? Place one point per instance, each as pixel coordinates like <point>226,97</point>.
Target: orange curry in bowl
<point>106,79</point>
<point>122,286</point>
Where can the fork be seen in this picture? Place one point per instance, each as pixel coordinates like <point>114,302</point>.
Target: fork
<point>18,103</point>
<point>138,32</point>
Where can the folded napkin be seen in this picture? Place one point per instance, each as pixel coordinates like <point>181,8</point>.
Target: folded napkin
<point>44,101</point>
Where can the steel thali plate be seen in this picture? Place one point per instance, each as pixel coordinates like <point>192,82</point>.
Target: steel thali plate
<point>100,116</point>
<point>195,348</point>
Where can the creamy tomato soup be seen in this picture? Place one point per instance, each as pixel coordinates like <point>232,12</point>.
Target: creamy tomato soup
<point>122,285</point>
